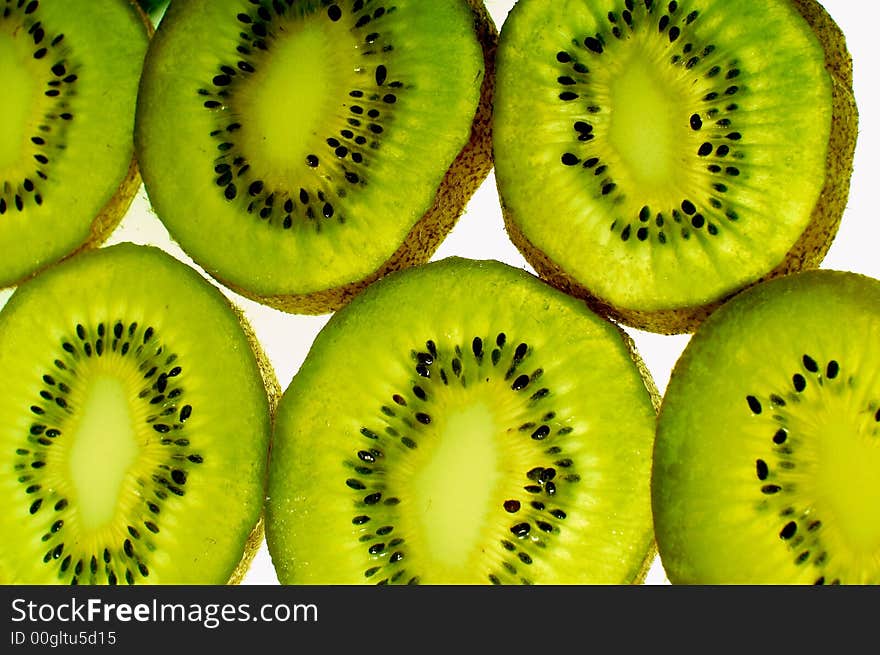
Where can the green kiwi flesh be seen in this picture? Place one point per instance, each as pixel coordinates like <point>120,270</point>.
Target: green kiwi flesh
<point>462,422</point>
<point>135,422</point>
<point>657,157</point>
<point>767,455</point>
<point>67,168</point>
<point>299,150</point>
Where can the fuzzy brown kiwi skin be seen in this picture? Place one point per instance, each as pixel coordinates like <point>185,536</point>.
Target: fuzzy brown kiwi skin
<point>111,214</point>
<point>811,247</point>
<point>651,550</point>
<point>471,166</point>
<point>274,392</point>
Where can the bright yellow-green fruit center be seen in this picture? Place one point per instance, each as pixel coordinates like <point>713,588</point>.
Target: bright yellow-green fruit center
<point>286,104</point>
<point>103,449</point>
<point>453,489</point>
<point>645,123</point>
<point>647,133</point>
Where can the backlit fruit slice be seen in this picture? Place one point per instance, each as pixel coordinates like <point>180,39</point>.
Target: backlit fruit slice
<point>657,157</point>
<point>464,423</point>
<point>70,71</point>
<point>134,426</point>
<point>767,458</point>
<point>298,151</point>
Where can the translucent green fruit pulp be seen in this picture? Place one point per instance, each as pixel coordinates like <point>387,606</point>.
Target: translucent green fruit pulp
<point>298,152</point>
<point>135,422</point>
<point>67,167</point>
<point>767,456</point>
<point>464,423</point>
<point>655,158</point>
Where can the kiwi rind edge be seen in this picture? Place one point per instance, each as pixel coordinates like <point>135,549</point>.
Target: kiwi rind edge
<point>251,548</point>
<point>112,212</point>
<point>813,244</point>
<point>274,391</point>
<point>651,550</point>
<point>467,172</point>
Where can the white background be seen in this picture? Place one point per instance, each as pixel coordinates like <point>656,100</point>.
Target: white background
<point>480,234</point>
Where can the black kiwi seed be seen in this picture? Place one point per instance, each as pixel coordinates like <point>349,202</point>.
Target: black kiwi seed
<point>521,529</point>
<point>535,473</point>
<point>520,383</point>
<point>477,347</point>
<point>381,74</point>
<point>754,404</point>
<point>541,433</point>
<point>788,531</point>
<point>762,469</point>
<point>593,44</point>
<point>832,369</point>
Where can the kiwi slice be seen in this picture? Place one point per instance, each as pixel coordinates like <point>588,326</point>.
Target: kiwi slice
<point>134,425</point>
<point>463,422</point>
<point>657,157</point>
<point>299,150</point>
<point>767,456</point>
<point>67,168</point>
